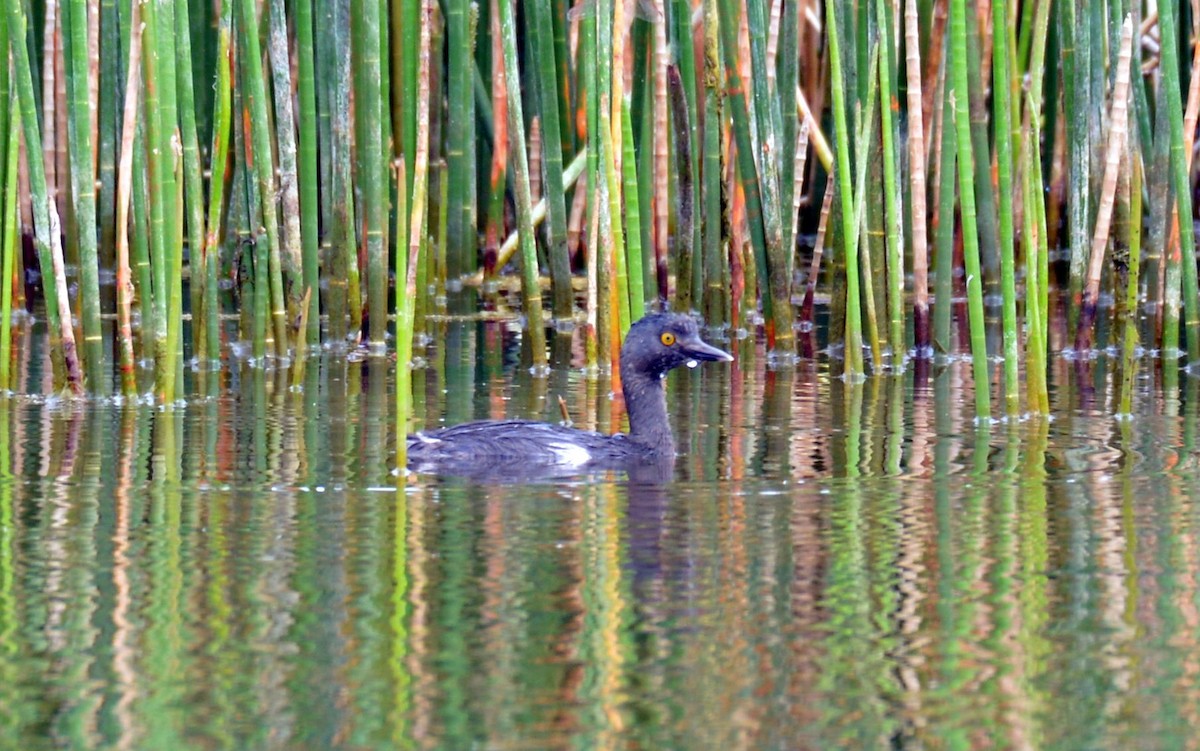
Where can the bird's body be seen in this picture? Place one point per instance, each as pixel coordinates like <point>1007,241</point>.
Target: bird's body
<point>520,449</point>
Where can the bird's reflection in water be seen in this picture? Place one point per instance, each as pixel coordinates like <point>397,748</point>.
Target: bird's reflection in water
<point>648,503</point>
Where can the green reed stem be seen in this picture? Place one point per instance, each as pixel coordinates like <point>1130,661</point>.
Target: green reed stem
<point>285,140</point>
<point>83,188</point>
<point>460,138</point>
<point>606,308</point>
<point>1043,254</point>
<point>498,175</point>
<point>685,194</point>
<point>959,97</point>
<point>633,219</point>
<point>599,92</point>
<point>263,165</point>
<point>169,366</point>
<point>263,344</point>
<point>1089,44</point>
<point>37,175</point>
<point>140,237</point>
<point>443,209</point>
<point>685,56</point>
<point>531,292</point>
<point>111,87</point>
<point>1110,187</point>
<point>324,16</point>
<point>891,190</point>
<point>541,31</point>
<point>8,105</point>
<point>220,166</point>
<point>641,108</point>
<point>405,303</point>
<point>10,220</point>
<point>388,137</point>
<point>872,238</point>
<point>125,181</point>
<point>372,188</point>
<point>857,23</point>
<point>1181,184</point>
<point>566,93</point>
<point>406,27</point>
<point>1002,114</point>
<point>1035,280</point>
<point>853,333</point>
<point>944,232</point>
<point>1033,102</point>
<point>747,169</point>
<point>989,241</point>
<point>175,275</point>
<point>1130,340</point>
<point>863,145</point>
<point>412,228</point>
<point>788,75</point>
<point>161,189</point>
<point>917,185</point>
<point>714,259</point>
<point>192,168</point>
<point>334,48</point>
<point>616,233</point>
<point>765,115</point>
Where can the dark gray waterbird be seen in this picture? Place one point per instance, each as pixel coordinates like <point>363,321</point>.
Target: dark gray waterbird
<point>526,449</point>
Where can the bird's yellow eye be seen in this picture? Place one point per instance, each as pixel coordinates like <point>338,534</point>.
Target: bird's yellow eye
<point>667,338</point>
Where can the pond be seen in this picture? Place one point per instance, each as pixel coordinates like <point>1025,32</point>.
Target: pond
<point>831,565</point>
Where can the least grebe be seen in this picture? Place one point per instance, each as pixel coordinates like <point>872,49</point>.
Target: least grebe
<point>654,345</point>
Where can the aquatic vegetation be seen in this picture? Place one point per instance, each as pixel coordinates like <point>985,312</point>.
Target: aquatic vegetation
<point>240,153</point>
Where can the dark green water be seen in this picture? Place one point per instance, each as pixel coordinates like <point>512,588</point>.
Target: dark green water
<point>831,566</point>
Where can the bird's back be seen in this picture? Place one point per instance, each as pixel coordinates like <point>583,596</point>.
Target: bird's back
<point>518,447</point>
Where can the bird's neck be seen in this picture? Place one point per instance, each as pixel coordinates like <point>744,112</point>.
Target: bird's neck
<point>646,403</point>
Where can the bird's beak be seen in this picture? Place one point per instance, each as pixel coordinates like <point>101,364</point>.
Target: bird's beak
<point>698,350</point>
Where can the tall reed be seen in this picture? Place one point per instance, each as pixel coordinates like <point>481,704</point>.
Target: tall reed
<point>916,162</point>
<point>541,31</point>
<point>124,182</point>
<point>193,181</point>
<point>712,227</point>
<point>8,246</point>
<point>1114,150</point>
<point>530,290</point>
<point>1129,340</point>
<point>83,189</point>
<point>1181,277</point>
<point>748,171</point>
<point>222,134</point>
<point>368,114</point>
<point>853,335</point>
<point>290,249</point>
<point>959,97</point>
<point>307,174</point>
<point>39,198</point>
<point>889,131</point>
<point>685,193</point>
<point>1002,115</point>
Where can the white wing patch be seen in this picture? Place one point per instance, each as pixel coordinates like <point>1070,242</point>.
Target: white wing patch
<point>570,454</point>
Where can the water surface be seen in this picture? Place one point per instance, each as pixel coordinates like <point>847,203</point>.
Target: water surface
<point>829,565</point>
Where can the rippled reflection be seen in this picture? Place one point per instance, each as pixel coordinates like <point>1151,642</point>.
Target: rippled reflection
<point>831,565</point>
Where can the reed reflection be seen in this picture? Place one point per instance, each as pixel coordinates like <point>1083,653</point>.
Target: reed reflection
<point>824,563</point>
